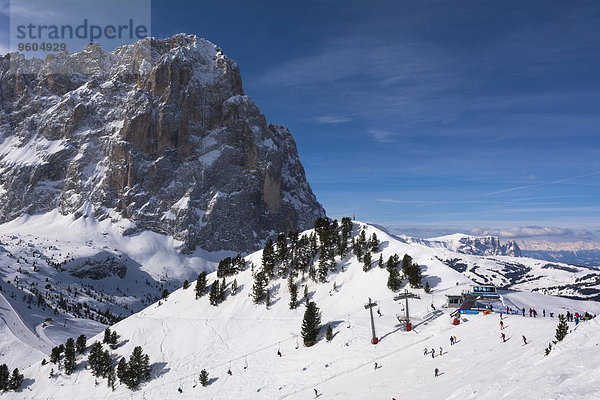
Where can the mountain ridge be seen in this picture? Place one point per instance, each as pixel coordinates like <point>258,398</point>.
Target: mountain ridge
<point>158,135</point>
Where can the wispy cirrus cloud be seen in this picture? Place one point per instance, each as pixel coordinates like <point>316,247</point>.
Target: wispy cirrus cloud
<point>555,182</point>
<point>332,119</point>
<point>522,232</point>
<point>381,135</point>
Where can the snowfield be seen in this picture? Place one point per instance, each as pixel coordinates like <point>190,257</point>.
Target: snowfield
<point>183,335</point>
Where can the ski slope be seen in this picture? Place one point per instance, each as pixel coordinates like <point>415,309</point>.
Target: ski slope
<point>183,335</point>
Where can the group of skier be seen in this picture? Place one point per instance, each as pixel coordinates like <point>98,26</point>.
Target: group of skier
<point>503,335</point>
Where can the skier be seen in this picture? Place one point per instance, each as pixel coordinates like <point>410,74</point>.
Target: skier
<point>534,313</point>
<point>530,311</point>
<point>523,311</point>
<point>229,372</point>
<point>501,325</point>
<point>379,312</point>
<point>425,351</point>
<point>544,312</point>
<point>432,353</point>
<point>179,390</point>
<point>316,393</point>
<point>524,340</point>
<point>441,351</point>
<point>451,340</point>
<point>454,339</point>
<point>436,372</point>
<point>503,337</point>
<point>279,353</point>
<point>507,310</point>
<point>375,366</point>
<point>432,307</point>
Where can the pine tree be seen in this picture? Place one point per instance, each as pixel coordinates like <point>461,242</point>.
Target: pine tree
<point>268,259</point>
<point>374,244</point>
<point>165,294</point>
<point>323,267</point>
<point>268,298</point>
<point>105,363</point>
<point>213,295</point>
<point>394,280</point>
<point>258,288</point>
<point>123,372</point>
<point>55,354</point>
<point>186,284</point>
<point>427,288</point>
<point>282,250</point>
<point>4,377</point>
<point>406,264</point>
<point>200,284</point>
<point>95,358</point>
<point>293,296</point>
<point>381,265</point>
<point>548,349</point>
<point>367,261</point>
<point>114,339</point>
<point>106,336</point>
<point>203,378</point>
<point>138,367</point>
<point>111,378</point>
<point>306,293</point>
<point>329,334</point>
<point>311,324</point>
<point>69,356</point>
<point>414,275</point>
<point>16,380</point>
<point>234,287</point>
<point>562,328</point>
<point>81,344</point>
<point>222,288</point>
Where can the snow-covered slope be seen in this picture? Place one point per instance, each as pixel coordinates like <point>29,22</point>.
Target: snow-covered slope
<point>183,335</point>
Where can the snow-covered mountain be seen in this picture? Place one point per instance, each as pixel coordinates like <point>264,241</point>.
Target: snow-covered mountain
<point>588,258</point>
<point>184,335</point>
<point>475,245</point>
<point>157,135</point>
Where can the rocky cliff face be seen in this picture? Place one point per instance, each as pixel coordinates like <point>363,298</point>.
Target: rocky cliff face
<point>157,135</point>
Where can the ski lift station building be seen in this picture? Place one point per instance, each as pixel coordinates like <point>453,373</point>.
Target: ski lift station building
<point>453,300</point>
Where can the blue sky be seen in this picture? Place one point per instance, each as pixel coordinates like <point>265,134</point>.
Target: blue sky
<point>426,116</point>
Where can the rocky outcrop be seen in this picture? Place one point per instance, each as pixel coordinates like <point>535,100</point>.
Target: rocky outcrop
<point>157,135</point>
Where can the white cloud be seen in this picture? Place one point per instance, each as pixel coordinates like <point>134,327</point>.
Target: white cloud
<point>523,232</point>
<point>332,119</point>
<point>382,135</point>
